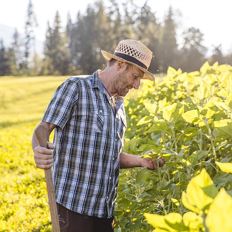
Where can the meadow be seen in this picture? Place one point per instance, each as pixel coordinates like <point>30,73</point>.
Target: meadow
<point>23,200</point>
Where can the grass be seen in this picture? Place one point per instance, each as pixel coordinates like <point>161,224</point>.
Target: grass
<point>23,201</point>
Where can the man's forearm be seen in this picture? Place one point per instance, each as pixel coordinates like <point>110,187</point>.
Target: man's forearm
<point>41,135</point>
<point>130,161</point>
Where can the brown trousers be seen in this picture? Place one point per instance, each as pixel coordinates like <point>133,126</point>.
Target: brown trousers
<point>75,222</point>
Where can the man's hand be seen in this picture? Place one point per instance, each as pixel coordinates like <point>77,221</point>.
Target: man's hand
<point>44,156</point>
<point>151,163</point>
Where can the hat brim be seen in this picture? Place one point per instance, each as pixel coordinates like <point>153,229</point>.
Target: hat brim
<point>147,75</point>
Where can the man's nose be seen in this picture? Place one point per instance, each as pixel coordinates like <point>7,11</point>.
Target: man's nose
<point>136,84</point>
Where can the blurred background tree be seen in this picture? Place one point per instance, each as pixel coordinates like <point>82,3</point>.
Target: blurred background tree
<point>76,49</point>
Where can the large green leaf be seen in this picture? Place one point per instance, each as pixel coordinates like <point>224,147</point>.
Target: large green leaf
<point>173,72</point>
<point>158,125</point>
<point>223,128</point>
<point>219,215</point>
<point>174,220</point>
<point>196,156</point>
<point>225,167</point>
<point>150,106</point>
<point>200,193</point>
<point>157,221</point>
<point>205,68</point>
<point>168,112</point>
<point>193,221</point>
<point>222,123</point>
<point>222,179</point>
<point>190,116</point>
<point>143,176</point>
<point>210,113</point>
<point>171,222</point>
<point>203,91</point>
<point>144,120</point>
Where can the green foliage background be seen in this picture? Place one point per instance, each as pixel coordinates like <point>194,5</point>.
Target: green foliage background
<point>183,117</point>
<point>187,119</point>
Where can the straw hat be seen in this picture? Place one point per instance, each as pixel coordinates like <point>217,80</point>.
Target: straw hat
<point>133,52</point>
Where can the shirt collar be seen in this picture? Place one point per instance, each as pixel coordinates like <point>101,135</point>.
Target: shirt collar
<point>97,83</point>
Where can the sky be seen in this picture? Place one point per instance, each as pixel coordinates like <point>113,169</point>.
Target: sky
<point>212,17</point>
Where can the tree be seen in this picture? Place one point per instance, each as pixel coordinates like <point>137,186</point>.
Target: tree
<point>91,32</point>
<point>130,12</point>
<point>228,59</point>
<point>116,22</point>
<point>192,53</point>
<point>148,30</point>
<point>47,66</point>
<point>71,43</point>
<point>56,51</point>
<point>17,53</point>
<point>217,56</point>
<point>36,65</point>
<point>4,60</point>
<point>11,62</point>
<point>169,49</point>
<point>29,42</point>
<point>87,42</point>
<point>103,30</point>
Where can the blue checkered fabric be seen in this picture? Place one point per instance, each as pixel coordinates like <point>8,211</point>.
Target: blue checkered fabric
<point>88,140</point>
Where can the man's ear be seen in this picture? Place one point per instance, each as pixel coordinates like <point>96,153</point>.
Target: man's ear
<point>121,65</point>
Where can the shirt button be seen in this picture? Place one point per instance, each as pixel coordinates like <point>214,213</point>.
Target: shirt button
<point>100,111</point>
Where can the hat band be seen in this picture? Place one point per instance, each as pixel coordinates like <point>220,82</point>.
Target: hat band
<point>131,59</point>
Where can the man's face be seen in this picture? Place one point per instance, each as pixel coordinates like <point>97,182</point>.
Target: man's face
<point>127,79</point>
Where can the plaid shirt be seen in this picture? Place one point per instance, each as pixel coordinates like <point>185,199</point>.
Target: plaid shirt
<point>88,140</point>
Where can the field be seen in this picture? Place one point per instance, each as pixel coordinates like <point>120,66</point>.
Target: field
<point>23,203</point>
<point>185,118</point>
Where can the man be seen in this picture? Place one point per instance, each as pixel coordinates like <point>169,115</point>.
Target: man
<point>89,120</point>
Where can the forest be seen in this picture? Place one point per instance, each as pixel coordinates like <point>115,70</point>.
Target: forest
<point>75,48</point>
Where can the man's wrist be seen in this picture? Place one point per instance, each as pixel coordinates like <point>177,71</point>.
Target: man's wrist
<point>140,161</point>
